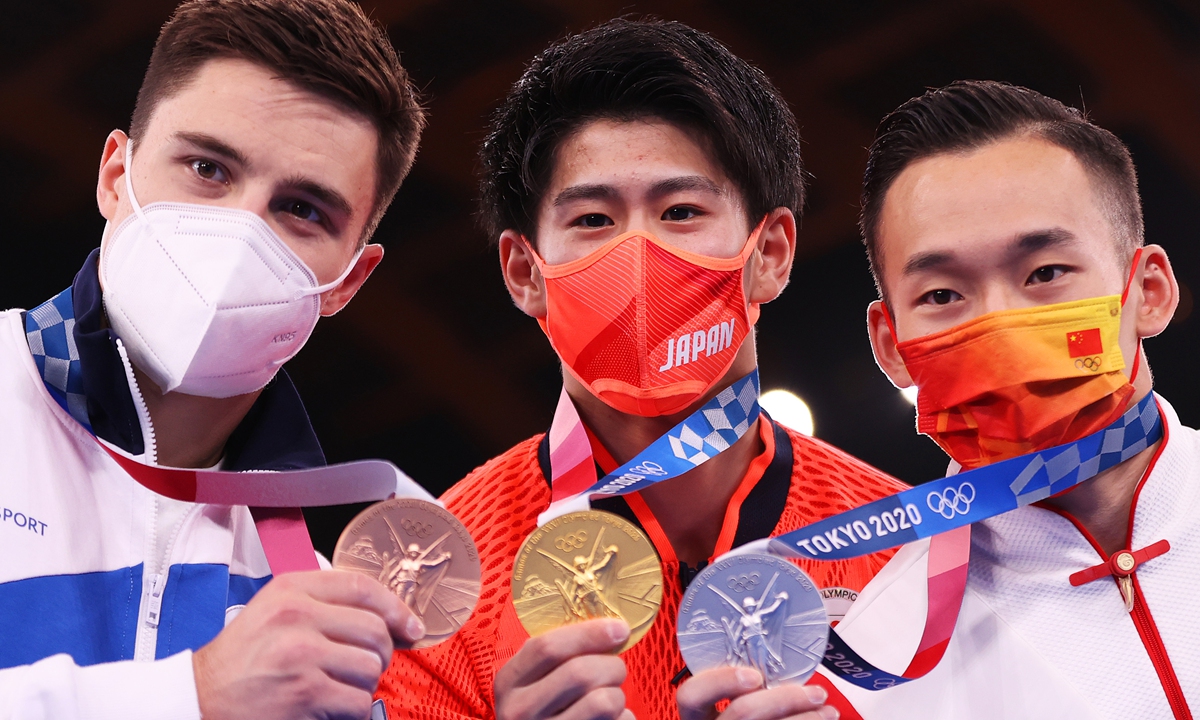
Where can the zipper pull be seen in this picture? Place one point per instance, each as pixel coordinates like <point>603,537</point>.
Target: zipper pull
<point>1126,585</point>
<point>154,605</point>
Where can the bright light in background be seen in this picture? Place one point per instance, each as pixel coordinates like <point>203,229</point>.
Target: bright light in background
<point>787,408</point>
<point>910,394</point>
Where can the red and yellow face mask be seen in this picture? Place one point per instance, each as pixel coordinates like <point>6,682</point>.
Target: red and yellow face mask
<point>1017,381</point>
<point>646,327</point>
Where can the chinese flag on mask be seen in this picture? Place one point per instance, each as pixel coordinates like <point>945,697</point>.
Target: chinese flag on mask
<point>1084,342</point>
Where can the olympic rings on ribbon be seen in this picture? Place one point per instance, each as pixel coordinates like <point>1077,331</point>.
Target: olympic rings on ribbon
<point>952,501</point>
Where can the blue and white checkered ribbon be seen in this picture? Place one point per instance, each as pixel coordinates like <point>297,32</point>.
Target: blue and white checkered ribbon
<point>50,332</point>
<point>703,435</point>
<point>951,502</point>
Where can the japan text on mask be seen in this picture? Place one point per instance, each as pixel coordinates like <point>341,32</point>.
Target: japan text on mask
<point>646,327</point>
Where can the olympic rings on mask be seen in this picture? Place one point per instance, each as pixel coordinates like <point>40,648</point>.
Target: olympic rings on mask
<point>1089,363</point>
<point>952,501</point>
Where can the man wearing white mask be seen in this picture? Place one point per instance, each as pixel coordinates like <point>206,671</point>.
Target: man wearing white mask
<point>269,138</point>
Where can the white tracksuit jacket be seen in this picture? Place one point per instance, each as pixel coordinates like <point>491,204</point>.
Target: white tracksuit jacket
<point>105,586</point>
<point>1028,644</point>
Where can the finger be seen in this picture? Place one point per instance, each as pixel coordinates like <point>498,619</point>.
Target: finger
<point>700,693</point>
<point>351,666</point>
<point>545,652</point>
<point>352,626</point>
<point>565,685</point>
<point>606,703</point>
<point>341,587</point>
<point>336,700</point>
<point>776,703</point>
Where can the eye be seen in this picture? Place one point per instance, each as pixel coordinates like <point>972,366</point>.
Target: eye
<point>1046,274</point>
<point>680,212</point>
<point>209,170</point>
<point>303,210</point>
<point>593,220</point>
<point>939,297</point>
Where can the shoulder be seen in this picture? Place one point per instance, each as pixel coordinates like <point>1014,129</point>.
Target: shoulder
<point>820,469</point>
<point>499,501</point>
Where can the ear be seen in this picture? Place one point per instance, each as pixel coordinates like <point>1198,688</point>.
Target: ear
<point>521,275</point>
<point>334,300</point>
<point>883,345</point>
<point>110,183</point>
<point>1154,292</point>
<point>777,250</point>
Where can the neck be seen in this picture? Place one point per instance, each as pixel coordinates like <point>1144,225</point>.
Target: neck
<point>1103,504</point>
<point>191,431</point>
<point>690,508</point>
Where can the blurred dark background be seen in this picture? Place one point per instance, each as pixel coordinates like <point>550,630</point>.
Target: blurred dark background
<point>433,368</point>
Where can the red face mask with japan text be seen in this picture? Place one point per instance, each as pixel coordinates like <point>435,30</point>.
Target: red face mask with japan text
<point>646,327</point>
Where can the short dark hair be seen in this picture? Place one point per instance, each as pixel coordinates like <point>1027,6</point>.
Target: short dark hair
<point>969,114</point>
<point>326,47</point>
<point>629,70</point>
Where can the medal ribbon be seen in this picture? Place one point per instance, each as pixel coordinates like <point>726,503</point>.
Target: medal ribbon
<point>274,497</point>
<point>703,435</point>
<point>943,510</point>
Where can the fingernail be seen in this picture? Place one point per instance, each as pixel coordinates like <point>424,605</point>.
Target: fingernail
<point>816,694</point>
<point>829,712</point>
<point>415,628</point>
<point>618,631</point>
<point>749,678</point>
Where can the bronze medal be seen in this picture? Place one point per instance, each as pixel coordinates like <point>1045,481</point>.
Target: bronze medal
<point>421,553</point>
<point>583,566</point>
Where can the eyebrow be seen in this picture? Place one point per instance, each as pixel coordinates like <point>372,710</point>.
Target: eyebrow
<point>214,146</point>
<point>659,189</point>
<point>321,193</point>
<point>1029,243</point>
<point>1024,244</point>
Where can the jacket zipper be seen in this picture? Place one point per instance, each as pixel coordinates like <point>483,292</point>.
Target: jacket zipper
<point>1148,631</point>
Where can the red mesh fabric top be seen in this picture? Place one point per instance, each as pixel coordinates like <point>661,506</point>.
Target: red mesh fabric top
<point>499,503</point>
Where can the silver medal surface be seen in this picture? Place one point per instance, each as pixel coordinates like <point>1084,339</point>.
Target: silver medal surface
<point>756,611</point>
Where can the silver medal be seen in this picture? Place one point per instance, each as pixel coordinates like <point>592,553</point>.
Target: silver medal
<point>757,611</point>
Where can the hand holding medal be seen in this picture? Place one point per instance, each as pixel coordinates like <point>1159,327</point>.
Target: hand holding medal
<point>422,554</point>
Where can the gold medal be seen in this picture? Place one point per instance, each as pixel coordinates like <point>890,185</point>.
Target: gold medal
<point>587,565</point>
<point>421,553</point>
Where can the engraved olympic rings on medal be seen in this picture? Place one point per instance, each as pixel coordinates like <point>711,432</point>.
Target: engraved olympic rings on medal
<point>952,501</point>
<point>1089,363</point>
<point>743,582</point>
<point>754,610</point>
<point>420,552</point>
<point>587,565</point>
<point>415,528</point>
<point>571,541</point>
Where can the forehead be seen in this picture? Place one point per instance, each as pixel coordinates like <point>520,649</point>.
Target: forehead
<point>986,196</point>
<point>630,154</point>
<point>276,124</point>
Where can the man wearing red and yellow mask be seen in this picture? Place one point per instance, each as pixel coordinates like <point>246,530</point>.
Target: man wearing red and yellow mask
<point>1005,234</point>
<point>643,185</point>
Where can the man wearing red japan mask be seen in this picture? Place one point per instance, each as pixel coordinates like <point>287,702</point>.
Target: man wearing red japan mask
<point>1005,234</point>
<point>643,185</point>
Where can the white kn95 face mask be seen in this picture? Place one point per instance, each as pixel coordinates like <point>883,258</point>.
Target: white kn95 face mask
<point>207,300</point>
